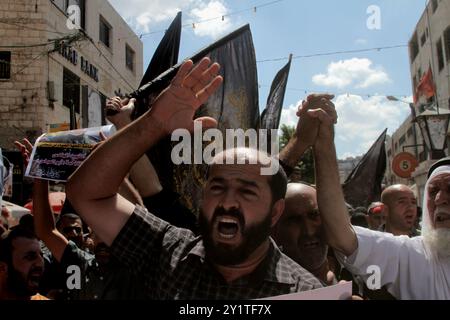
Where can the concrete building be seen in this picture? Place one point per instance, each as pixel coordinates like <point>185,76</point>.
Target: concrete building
<point>47,66</point>
<point>346,166</point>
<point>407,138</point>
<point>429,47</point>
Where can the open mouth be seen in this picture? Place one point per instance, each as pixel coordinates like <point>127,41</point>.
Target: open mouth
<point>311,244</point>
<point>34,279</point>
<point>227,227</point>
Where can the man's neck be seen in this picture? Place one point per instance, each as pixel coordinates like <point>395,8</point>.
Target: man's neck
<point>395,231</point>
<point>322,271</point>
<point>231,273</point>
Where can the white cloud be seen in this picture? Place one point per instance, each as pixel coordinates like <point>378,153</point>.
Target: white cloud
<point>361,121</point>
<point>145,15</point>
<point>289,115</point>
<point>215,27</point>
<point>355,71</point>
<point>346,155</point>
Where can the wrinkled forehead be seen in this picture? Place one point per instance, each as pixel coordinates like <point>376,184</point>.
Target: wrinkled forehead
<point>242,156</point>
<point>442,178</point>
<point>239,173</point>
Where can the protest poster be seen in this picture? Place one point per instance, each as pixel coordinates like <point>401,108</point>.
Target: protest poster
<point>56,156</point>
<point>2,172</point>
<point>341,291</point>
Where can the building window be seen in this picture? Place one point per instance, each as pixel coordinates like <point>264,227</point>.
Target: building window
<point>447,42</point>
<point>402,140</point>
<point>129,57</point>
<point>64,4</point>
<point>389,153</point>
<point>434,5</point>
<point>409,132</point>
<point>103,99</point>
<point>61,4</point>
<point>71,90</point>
<point>440,54</point>
<point>5,65</point>
<point>414,47</point>
<point>423,39</point>
<point>105,32</point>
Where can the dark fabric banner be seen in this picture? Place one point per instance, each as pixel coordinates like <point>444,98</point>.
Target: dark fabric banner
<point>166,55</point>
<point>363,185</point>
<point>164,58</point>
<point>234,105</point>
<point>270,118</point>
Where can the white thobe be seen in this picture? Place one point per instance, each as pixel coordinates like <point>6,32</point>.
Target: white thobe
<point>407,267</point>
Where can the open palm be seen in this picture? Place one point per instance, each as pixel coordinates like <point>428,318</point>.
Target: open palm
<point>192,86</point>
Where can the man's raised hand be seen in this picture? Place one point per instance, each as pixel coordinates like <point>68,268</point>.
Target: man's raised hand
<point>308,125</point>
<point>25,149</point>
<point>192,86</point>
<point>118,111</point>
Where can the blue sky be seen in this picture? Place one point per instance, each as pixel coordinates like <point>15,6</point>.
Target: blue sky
<point>360,80</point>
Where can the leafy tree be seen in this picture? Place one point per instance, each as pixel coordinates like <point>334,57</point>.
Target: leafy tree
<point>304,171</point>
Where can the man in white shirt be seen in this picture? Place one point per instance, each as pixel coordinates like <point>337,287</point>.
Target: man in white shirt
<point>410,268</point>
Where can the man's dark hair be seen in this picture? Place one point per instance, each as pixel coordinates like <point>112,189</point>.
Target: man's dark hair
<point>359,219</point>
<point>6,244</point>
<point>27,221</point>
<point>67,208</point>
<point>67,215</point>
<point>278,184</point>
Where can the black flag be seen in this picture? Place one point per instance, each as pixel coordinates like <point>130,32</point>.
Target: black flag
<point>166,55</point>
<point>363,185</point>
<point>234,105</point>
<point>270,118</point>
<point>164,58</point>
<point>236,55</point>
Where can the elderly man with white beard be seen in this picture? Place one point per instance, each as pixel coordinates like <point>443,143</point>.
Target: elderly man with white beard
<point>410,268</point>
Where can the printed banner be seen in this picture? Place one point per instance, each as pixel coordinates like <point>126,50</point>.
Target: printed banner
<point>341,291</point>
<point>56,156</point>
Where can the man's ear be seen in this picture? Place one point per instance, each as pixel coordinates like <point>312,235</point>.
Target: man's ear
<point>277,211</point>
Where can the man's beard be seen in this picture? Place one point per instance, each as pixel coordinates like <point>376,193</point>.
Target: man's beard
<point>439,241</point>
<point>226,254</point>
<point>18,285</point>
<point>311,260</point>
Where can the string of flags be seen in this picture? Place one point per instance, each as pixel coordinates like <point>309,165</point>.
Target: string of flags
<point>222,18</point>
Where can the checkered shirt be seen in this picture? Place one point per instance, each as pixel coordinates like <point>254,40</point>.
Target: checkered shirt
<point>172,263</point>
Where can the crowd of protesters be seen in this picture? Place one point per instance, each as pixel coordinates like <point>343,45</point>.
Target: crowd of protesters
<point>121,235</point>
